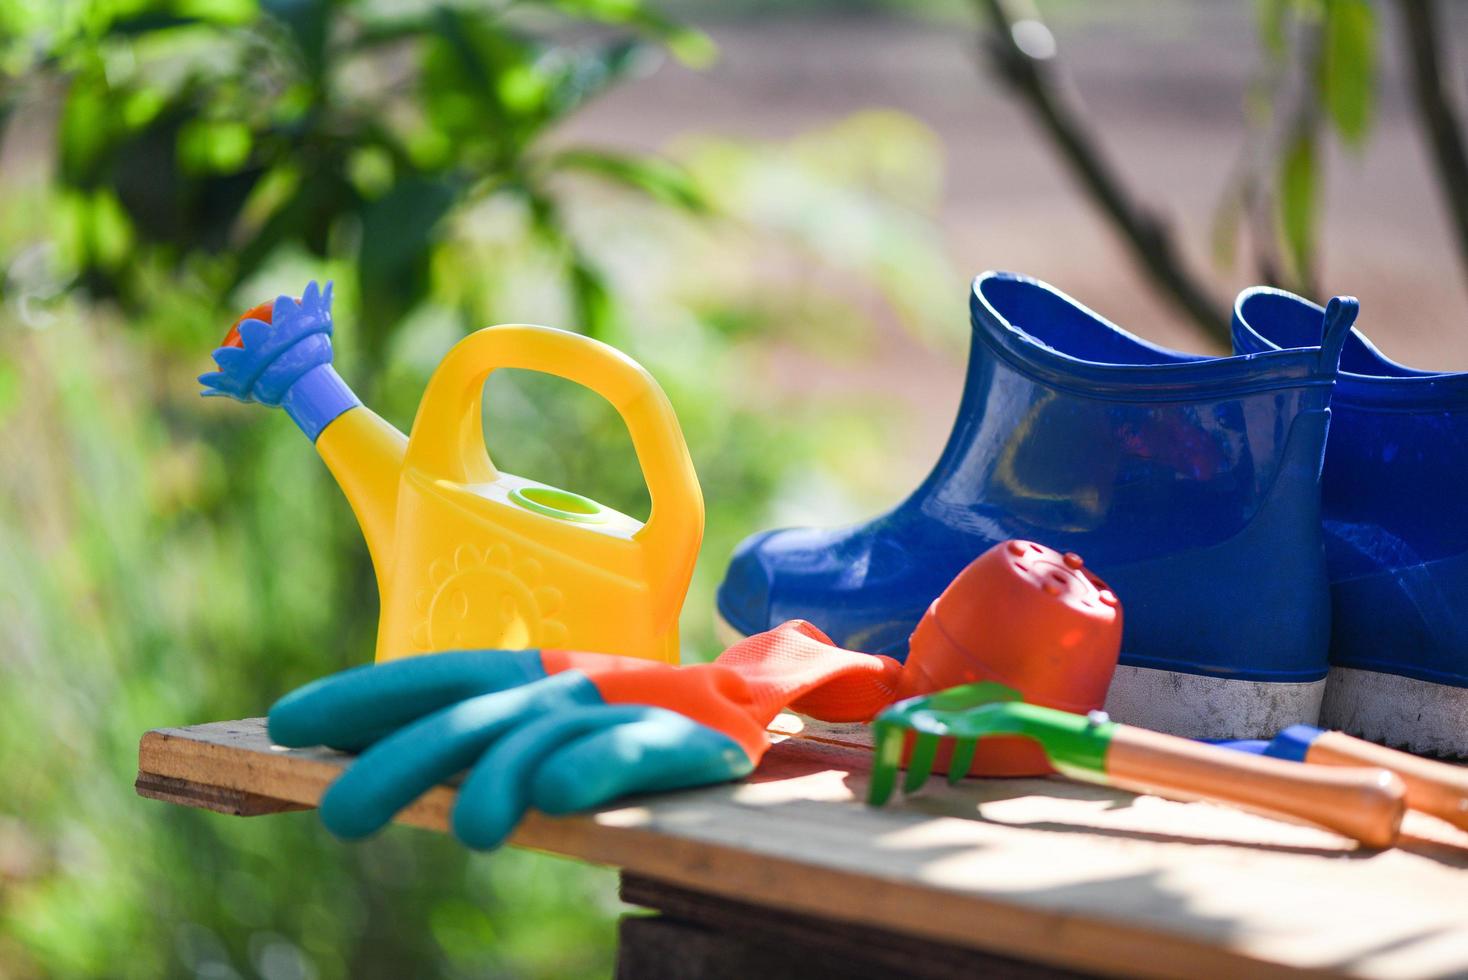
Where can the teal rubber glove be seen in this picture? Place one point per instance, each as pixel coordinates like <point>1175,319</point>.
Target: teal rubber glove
<point>562,731</point>
<point>527,737</point>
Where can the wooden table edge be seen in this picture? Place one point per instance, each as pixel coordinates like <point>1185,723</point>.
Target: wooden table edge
<point>175,767</point>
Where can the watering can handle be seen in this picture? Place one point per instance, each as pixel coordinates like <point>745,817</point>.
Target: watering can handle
<point>447,439</point>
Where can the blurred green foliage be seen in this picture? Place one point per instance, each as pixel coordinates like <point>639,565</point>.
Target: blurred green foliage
<point>218,130</point>
<point>1318,76</point>
<point>165,561</point>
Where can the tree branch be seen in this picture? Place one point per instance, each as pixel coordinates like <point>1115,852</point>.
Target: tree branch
<point>1438,112</point>
<point>1033,77</point>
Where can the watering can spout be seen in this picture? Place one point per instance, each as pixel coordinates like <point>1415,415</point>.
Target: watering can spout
<point>365,455</point>
<point>280,354</point>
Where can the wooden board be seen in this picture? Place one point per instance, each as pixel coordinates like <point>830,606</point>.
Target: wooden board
<point>712,938</point>
<point>1044,870</point>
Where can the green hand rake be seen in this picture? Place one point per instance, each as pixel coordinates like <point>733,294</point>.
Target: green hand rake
<point>1363,804</point>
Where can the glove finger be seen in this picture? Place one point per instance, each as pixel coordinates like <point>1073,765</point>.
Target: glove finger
<point>411,761</point>
<point>352,709</point>
<point>662,751</point>
<point>494,794</point>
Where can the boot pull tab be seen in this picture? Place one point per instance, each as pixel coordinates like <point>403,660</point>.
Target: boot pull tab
<point>1340,314</point>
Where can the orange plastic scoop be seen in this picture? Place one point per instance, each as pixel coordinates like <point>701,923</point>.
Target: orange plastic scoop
<point>1030,618</point>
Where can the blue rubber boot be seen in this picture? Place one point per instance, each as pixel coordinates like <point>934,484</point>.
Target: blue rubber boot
<point>1190,484</point>
<point>1396,536</point>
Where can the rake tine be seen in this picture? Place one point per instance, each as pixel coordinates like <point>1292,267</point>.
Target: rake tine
<point>962,759</point>
<point>920,764</point>
<point>885,760</point>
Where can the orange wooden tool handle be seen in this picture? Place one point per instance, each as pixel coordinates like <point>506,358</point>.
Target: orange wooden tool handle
<point>1432,787</point>
<point>1363,804</point>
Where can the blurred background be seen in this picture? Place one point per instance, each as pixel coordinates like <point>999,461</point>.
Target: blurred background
<point>776,207</point>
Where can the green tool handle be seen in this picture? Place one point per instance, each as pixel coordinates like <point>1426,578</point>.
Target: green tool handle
<point>1432,787</point>
<point>1363,804</point>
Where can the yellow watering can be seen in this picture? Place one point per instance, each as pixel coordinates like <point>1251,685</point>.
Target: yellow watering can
<point>465,555</point>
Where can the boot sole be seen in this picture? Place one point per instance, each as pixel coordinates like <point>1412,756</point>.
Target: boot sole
<point>1191,705</point>
<point>1198,706</point>
<point>1403,712</point>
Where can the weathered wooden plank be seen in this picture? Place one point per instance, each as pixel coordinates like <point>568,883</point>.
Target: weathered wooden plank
<point>777,944</point>
<point>665,948</point>
<point>1045,870</point>
<point>230,802</point>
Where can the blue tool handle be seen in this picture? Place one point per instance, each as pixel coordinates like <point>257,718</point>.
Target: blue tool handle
<point>1432,787</point>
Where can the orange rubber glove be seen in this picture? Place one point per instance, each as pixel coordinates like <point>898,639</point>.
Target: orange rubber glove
<point>792,666</point>
<point>564,731</point>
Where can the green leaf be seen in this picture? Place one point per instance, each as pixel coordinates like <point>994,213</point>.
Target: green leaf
<point>85,130</point>
<point>397,228</point>
<point>1348,67</point>
<point>463,61</point>
<point>693,48</point>
<point>148,22</point>
<point>307,22</point>
<point>1298,188</point>
<point>213,146</point>
<point>595,309</point>
<point>1271,16</point>
<point>586,73</point>
<point>370,169</point>
<point>217,11</point>
<point>393,261</point>
<point>111,231</point>
<point>378,25</point>
<point>141,106</point>
<point>305,209</point>
<point>70,227</point>
<point>660,179</point>
<point>590,295</point>
<point>523,89</point>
